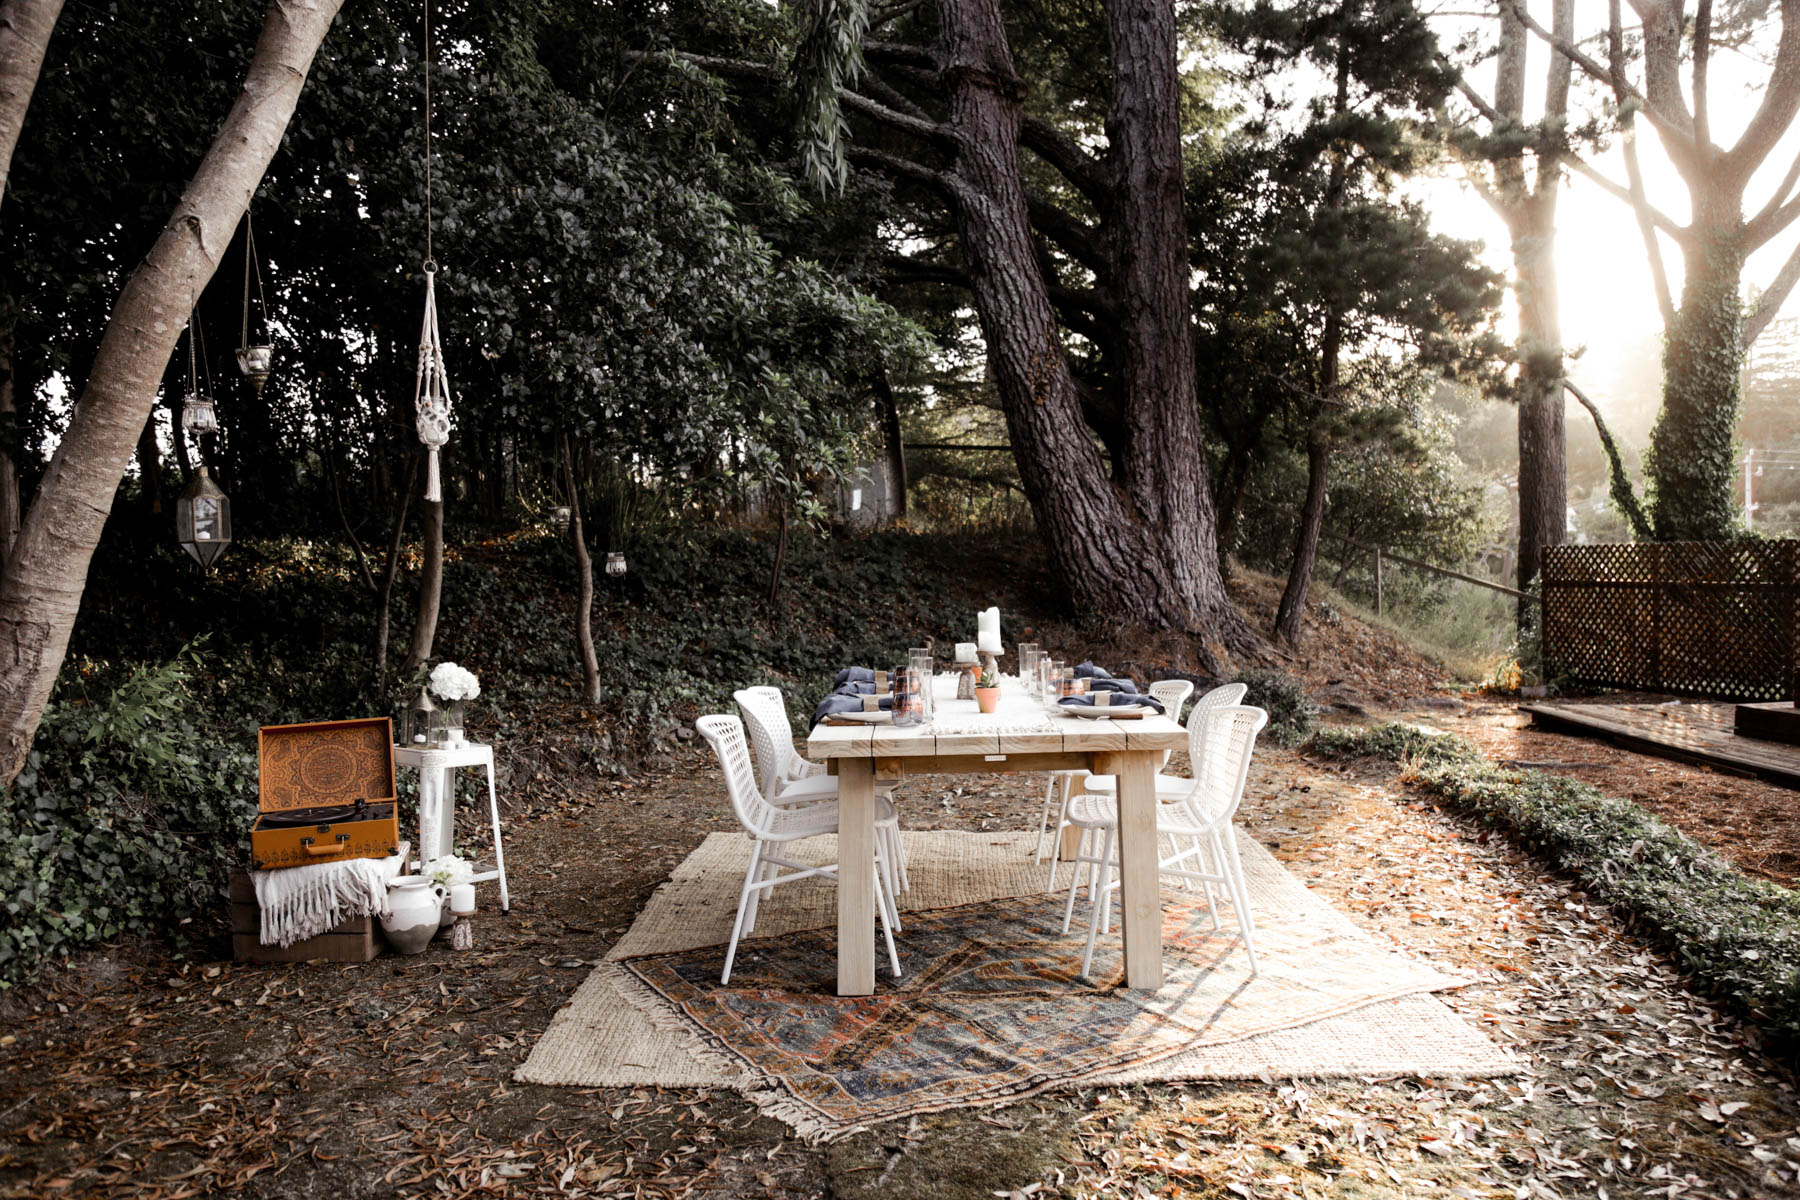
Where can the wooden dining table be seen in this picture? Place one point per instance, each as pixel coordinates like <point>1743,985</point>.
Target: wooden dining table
<point>1020,735</point>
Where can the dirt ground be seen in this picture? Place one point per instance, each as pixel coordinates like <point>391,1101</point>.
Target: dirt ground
<point>137,1074</point>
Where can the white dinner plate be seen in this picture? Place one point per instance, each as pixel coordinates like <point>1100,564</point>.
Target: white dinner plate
<point>1095,713</point>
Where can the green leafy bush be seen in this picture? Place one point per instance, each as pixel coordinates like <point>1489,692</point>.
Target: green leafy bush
<point>125,819</point>
<point>1737,937</point>
<point>1283,697</point>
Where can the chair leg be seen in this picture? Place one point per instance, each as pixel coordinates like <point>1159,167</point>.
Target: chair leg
<point>1102,902</point>
<point>756,893</point>
<point>1051,784</point>
<point>1240,900</point>
<point>1074,882</point>
<point>900,859</point>
<point>744,898</point>
<point>884,866</point>
<point>882,904</point>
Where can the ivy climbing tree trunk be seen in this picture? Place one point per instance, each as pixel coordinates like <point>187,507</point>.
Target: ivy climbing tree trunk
<point>41,586</point>
<point>25,27</point>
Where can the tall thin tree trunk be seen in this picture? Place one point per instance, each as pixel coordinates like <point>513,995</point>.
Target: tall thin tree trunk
<point>895,445</point>
<point>384,595</point>
<point>25,27</point>
<point>584,580</point>
<point>1543,487</point>
<point>431,589</point>
<point>40,589</point>
<point>1290,615</point>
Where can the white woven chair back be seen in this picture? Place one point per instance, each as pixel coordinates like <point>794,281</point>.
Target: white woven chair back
<point>725,733</point>
<point>1228,737</point>
<point>1217,698</point>
<point>765,715</point>
<point>1173,693</point>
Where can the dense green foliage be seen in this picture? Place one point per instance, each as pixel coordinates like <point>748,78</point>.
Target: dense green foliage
<point>1283,697</point>
<point>1737,937</point>
<point>126,817</point>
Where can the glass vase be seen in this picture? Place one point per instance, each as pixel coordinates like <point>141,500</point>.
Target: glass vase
<point>447,725</point>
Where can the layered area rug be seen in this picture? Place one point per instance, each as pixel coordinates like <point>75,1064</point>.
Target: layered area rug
<point>989,1006</point>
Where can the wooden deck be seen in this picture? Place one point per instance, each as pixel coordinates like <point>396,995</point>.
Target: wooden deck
<point>1698,733</point>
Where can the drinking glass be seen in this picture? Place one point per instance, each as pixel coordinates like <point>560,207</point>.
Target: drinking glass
<point>920,665</point>
<point>1028,664</point>
<point>905,702</point>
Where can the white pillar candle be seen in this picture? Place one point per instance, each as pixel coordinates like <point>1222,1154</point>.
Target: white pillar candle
<point>988,638</point>
<point>965,652</point>
<point>462,897</point>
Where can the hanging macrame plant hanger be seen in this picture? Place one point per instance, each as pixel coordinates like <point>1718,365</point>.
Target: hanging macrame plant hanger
<point>431,387</point>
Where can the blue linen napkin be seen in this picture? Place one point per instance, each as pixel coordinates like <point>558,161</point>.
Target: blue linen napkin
<point>1088,670</point>
<point>1109,684</point>
<point>841,701</point>
<point>1124,699</point>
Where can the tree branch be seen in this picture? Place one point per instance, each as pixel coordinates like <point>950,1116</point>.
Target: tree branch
<point>902,269</point>
<point>1677,128</point>
<point>1753,228</point>
<point>1780,103</point>
<point>1087,173</point>
<point>1634,171</point>
<point>944,183</point>
<point>1770,302</point>
<point>1624,496</point>
<point>1075,237</point>
<point>919,127</point>
<point>1656,216</point>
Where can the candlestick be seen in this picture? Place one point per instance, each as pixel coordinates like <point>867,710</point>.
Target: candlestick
<point>462,897</point>
<point>965,652</point>
<point>988,631</point>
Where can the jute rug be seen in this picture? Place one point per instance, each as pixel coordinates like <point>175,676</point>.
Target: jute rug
<point>989,1007</point>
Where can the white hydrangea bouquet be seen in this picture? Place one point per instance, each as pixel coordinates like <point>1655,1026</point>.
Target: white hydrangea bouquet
<point>453,686</point>
<point>448,870</point>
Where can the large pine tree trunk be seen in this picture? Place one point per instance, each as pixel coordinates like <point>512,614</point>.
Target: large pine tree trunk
<point>1692,464</point>
<point>40,589</point>
<point>25,27</point>
<point>1114,558</point>
<point>10,442</point>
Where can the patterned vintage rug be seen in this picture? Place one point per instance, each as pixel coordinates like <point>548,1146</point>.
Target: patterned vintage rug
<point>988,1009</point>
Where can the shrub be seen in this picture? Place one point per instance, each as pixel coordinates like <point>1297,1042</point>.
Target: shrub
<point>1283,697</point>
<point>1737,937</point>
<point>125,819</point>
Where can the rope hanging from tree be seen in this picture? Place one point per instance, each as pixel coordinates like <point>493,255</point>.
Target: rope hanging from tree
<point>431,387</point>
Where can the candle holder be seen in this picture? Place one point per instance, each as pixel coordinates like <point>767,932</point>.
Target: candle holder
<point>462,937</point>
<point>966,671</point>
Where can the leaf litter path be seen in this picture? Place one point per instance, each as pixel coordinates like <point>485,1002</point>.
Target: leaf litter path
<point>132,1074</point>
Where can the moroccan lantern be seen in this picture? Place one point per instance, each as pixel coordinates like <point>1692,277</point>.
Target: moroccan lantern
<point>422,719</point>
<point>198,415</point>
<point>203,519</point>
<point>615,562</point>
<point>254,358</point>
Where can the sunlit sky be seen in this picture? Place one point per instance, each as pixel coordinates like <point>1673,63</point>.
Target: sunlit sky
<point>1608,299</point>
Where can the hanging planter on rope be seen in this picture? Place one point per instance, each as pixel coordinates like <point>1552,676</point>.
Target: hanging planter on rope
<point>431,388</point>
<point>254,358</point>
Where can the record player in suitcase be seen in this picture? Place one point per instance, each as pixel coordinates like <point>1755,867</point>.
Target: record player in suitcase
<point>325,792</point>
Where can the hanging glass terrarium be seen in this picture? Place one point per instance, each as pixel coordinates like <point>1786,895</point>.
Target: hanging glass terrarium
<point>254,358</point>
<point>203,519</point>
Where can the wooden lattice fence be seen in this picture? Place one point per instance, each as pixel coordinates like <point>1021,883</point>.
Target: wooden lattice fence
<point>1694,618</point>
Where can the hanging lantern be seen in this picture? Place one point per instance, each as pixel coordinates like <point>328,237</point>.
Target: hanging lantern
<point>198,415</point>
<point>203,519</point>
<point>615,562</point>
<point>254,358</point>
<point>431,388</point>
<point>560,517</point>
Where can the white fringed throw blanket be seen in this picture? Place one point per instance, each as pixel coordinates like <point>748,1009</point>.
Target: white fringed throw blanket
<point>302,902</point>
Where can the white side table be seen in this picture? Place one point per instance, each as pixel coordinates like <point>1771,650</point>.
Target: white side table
<point>437,769</point>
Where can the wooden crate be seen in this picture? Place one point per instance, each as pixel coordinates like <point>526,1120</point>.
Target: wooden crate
<point>358,939</point>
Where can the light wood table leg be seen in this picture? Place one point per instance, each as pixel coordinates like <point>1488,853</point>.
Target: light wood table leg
<point>856,877</point>
<point>1140,877</point>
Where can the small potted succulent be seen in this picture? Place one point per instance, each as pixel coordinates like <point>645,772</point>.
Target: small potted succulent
<point>987,690</point>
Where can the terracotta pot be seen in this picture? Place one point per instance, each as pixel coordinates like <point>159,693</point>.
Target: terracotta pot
<point>987,698</point>
<point>415,916</point>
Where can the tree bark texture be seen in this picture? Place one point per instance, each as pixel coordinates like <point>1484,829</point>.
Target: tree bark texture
<point>431,589</point>
<point>40,589</point>
<point>1157,567</point>
<point>1290,615</point>
<point>584,581</point>
<point>25,27</point>
<point>1692,462</point>
<point>9,438</point>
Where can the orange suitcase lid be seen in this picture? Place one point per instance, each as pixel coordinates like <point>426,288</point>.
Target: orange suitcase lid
<point>324,762</point>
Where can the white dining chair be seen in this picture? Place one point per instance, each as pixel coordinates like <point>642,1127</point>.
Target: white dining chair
<point>787,779</point>
<point>1172,694</point>
<point>771,828</point>
<point>1203,816</point>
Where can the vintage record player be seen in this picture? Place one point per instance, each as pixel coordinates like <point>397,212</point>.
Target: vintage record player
<point>325,792</point>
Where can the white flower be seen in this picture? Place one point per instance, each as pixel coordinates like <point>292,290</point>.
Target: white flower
<point>451,682</point>
<point>448,870</point>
